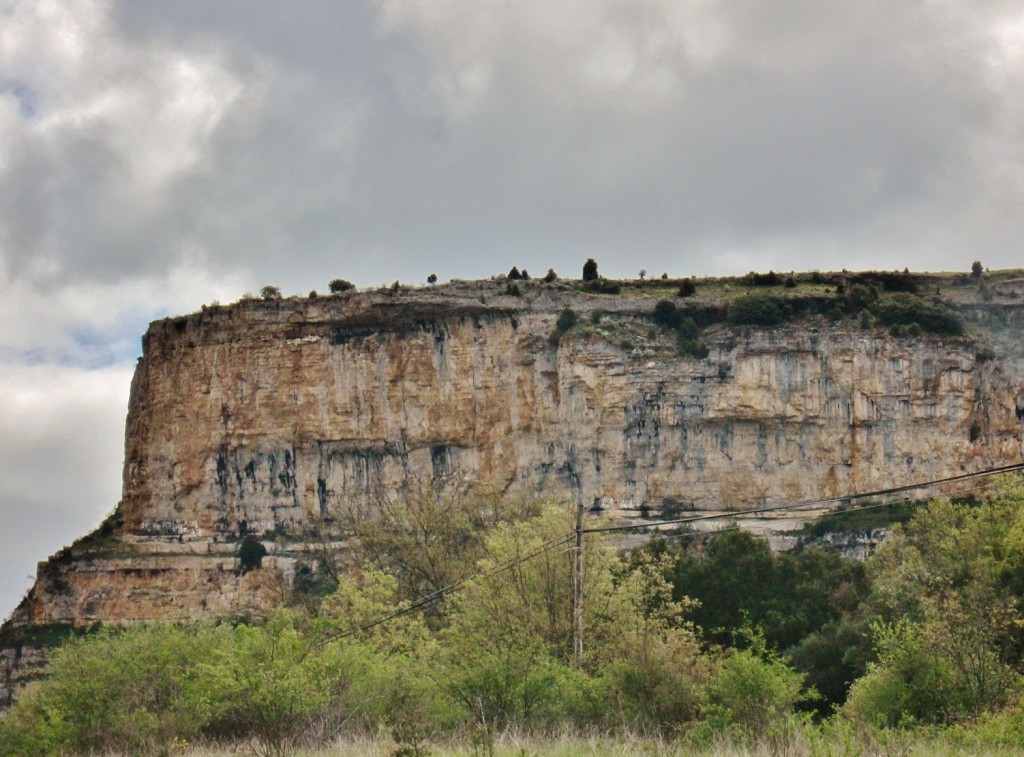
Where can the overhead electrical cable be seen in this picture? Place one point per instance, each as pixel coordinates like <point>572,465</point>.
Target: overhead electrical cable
<point>438,594</point>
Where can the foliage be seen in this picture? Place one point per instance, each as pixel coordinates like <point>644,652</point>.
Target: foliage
<point>432,278</point>
<point>738,581</point>
<point>566,320</point>
<point>590,270</point>
<point>270,292</point>
<point>265,684</point>
<point>550,276</point>
<point>131,690</point>
<point>757,310</point>
<point>688,341</point>
<point>666,314</point>
<point>904,310</point>
<point>754,689</point>
<point>430,536</point>
<point>938,602</point>
<point>687,289</point>
<point>341,285</point>
<point>602,286</point>
<point>976,269</point>
<point>769,279</point>
<point>250,554</point>
<point>514,274</point>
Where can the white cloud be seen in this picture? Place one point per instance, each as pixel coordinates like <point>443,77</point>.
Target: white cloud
<point>62,433</point>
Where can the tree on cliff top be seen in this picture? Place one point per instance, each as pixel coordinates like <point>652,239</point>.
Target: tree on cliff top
<point>590,270</point>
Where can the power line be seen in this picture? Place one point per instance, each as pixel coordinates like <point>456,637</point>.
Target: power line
<point>512,562</point>
<point>811,502</point>
<point>452,587</point>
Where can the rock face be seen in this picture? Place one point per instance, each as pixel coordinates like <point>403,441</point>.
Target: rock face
<point>275,416</point>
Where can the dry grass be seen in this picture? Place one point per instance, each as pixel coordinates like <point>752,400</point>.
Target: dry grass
<point>813,744</point>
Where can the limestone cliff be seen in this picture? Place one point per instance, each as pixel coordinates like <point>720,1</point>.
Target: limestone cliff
<point>274,416</point>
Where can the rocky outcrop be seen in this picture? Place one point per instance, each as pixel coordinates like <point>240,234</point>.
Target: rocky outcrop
<point>275,417</point>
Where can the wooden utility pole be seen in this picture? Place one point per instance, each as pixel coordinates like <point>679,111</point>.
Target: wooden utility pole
<point>577,590</point>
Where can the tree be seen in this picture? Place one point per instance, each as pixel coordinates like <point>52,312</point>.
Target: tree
<point>270,292</point>
<point>431,535</point>
<point>340,285</point>
<point>590,270</point>
<point>514,274</point>
<point>642,274</point>
<point>550,276</point>
<point>976,269</point>
<point>687,289</point>
<point>432,278</point>
<point>754,689</point>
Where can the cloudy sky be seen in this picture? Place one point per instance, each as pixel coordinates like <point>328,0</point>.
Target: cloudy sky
<point>157,155</point>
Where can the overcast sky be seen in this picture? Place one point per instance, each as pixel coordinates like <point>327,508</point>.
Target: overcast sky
<point>157,155</point>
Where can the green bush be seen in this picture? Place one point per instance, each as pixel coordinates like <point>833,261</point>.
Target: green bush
<point>602,286</point>
<point>903,309</point>
<point>687,289</point>
<point>250,554</point>
<point>340,285</point>
<point>753,690</point>
<point>769,279</point>
<point>590,270</point>
<point>566,320</point>
<point>130,691</point>
<point>666,314</point>
<point>757,310</point>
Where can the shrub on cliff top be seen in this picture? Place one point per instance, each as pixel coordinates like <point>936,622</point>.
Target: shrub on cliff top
<point>903,309</point>
<point>757,310</point>
<point>340,285</point>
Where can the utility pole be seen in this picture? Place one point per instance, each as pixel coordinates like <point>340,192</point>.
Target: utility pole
<point>577,590</point>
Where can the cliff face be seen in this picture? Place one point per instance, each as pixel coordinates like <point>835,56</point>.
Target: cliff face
<point>271,416</point>
<point>277,416</point>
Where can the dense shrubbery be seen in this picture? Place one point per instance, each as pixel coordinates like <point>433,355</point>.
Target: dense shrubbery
<point>928,631</point>
<point>602,286</point>
<point>906,310</point>
<point>758,310</point>
<point>688,341</point>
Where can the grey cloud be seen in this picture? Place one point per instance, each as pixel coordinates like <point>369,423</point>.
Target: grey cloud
<point>170,153</point>
<point>382,140</point>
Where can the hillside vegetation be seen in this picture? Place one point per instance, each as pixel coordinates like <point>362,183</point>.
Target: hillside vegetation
<point>728,643</point>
